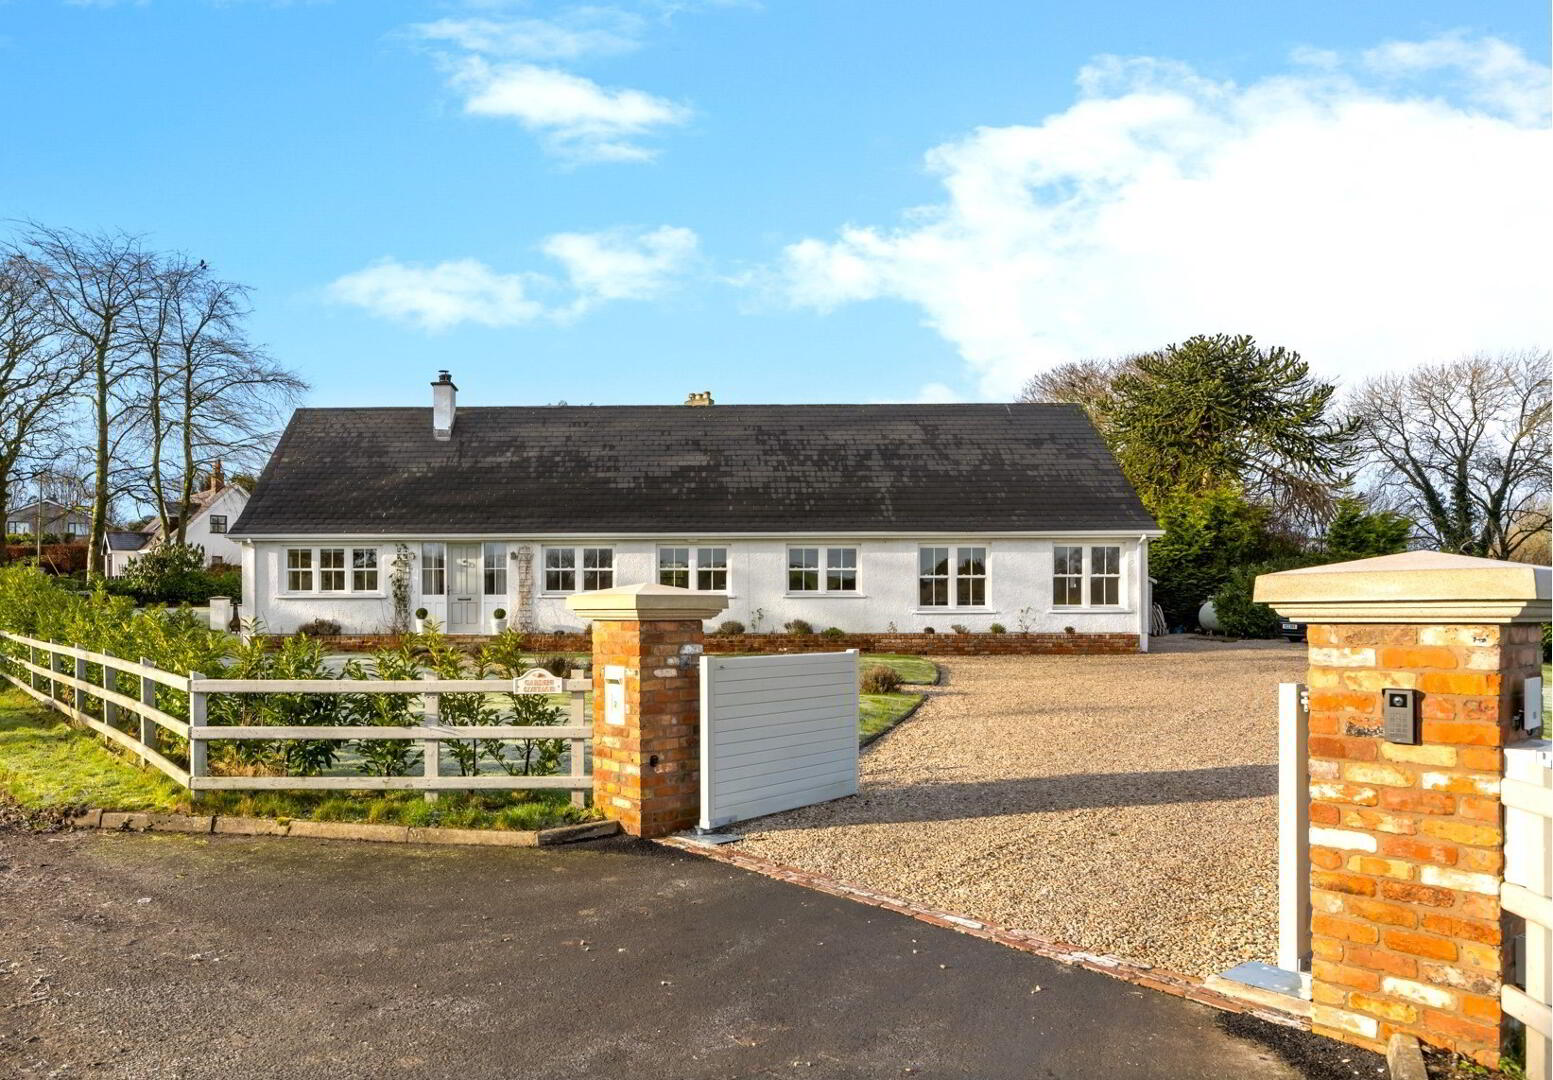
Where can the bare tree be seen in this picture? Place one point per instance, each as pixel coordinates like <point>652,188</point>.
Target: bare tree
<point>1463,448</point>
<point>229,397</point>
<point>92,284</point>
<point>37,381</point>
<point>1090,383</point>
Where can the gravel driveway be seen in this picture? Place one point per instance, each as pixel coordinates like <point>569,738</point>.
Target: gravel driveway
<point>1124,804</point>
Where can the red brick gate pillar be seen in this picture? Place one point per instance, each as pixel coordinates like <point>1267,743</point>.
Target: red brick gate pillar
<point>647,642</point>
<point>1406,830</point>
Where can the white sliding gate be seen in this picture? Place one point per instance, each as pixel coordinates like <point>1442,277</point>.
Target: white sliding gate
<point>777,732</point>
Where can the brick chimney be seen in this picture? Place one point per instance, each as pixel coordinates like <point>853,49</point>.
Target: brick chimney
<point>217,476</point>
<point>444,406</point>
<point>704,397</point>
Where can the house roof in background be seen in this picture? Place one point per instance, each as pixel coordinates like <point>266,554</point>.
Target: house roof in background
<point>679,470</point>
<point>126,541</point>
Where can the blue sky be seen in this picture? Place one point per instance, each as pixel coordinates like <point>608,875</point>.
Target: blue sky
<point>822,201</point>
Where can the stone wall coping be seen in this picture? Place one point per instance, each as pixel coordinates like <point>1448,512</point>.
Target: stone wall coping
<point>1413,587</point>
<point>641,603</point>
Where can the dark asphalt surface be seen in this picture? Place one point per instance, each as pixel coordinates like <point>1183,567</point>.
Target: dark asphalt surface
<point>180,957</point>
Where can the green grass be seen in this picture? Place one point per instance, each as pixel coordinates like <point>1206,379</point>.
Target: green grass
<point>454,809</point>
<point>881,712</point>
<point>912,669</point>
<point>47,765</point>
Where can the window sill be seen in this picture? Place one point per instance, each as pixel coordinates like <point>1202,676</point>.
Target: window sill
<point>957,611</point>
<point>331,596</point>
<point>821,594</point>
<point>1091,611</point>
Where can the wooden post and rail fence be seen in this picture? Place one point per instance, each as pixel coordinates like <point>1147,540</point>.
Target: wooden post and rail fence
<point>57,675</point>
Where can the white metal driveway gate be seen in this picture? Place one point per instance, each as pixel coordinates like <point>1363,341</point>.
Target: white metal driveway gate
<point>776,732</point>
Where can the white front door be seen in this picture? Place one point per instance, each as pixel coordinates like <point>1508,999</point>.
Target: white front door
<point>463,588</point>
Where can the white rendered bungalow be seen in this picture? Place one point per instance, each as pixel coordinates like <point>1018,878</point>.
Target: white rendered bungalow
<point>870,518</point>
<point>215,509</point>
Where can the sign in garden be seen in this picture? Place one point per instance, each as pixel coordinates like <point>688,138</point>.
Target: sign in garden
<point>538,681</point>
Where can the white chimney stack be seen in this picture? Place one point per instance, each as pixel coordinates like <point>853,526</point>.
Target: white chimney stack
<point>444,404</point>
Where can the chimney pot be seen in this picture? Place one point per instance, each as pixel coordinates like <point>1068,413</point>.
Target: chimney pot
<point>703,397</point>
<point>444,406</point>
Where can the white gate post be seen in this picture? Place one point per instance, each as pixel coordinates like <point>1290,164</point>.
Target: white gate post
<point>198,764</point>
<point>431,749</point>
<point>1528,885</point>
<point>1293,829</point>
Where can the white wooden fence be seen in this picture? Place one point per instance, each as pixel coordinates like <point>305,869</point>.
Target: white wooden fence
<point>1527,891</point>
<point>777,732</point>
<point>50,668</point>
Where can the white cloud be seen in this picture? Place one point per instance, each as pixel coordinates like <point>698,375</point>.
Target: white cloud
<point>441,296</point>
<point>574,116</point>
<point>570,36</point>
<point>622,264</point>
<point>1340,209</point>
<point>618,264</point>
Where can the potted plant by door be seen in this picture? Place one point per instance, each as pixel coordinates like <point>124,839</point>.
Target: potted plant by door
<point>419,623</point>
<point>499,621</point>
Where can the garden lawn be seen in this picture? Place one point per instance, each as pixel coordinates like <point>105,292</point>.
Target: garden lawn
<point>911,669</point>
<point>881,712</point>
<point>47,765</point>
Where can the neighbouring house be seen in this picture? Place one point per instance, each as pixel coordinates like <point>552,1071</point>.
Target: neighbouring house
<point>49,518</point>
<point>215,509</point>
<point>870,518</point>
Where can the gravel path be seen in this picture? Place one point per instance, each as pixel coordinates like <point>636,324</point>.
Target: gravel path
<point>1124,804</point>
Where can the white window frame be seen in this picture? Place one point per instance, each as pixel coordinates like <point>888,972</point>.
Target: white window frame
<point>440,549</point>
<point>695,565</point>
<point>1087,577</point>
<point>315,570</point>
<point>578,568</point>
<point>824,554</point>
<point>493,568</point>
<point>953,576</point>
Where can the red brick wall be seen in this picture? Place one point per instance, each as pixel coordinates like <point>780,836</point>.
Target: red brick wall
<point>1407,841</point>
<point>646,773</point>
<point>915,644</point>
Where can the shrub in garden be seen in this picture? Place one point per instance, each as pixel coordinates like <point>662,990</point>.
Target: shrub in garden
<point>960,628</point>
<point>559,665</point>
<point>320,628</point>
<point>833,632</point>
<point>997,628</point>
<point>1239,615</point>
<point>798,626</point>
<point>730,626</point>
<point>175,574</point>
<point>879,679</point>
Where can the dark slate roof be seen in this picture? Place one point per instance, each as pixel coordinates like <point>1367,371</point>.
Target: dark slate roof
<point>127,541</point>
<point>681,470</point>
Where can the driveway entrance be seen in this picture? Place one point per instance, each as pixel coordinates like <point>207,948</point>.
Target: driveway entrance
<point>193,957</point>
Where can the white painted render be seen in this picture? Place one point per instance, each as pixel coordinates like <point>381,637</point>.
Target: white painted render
<point>1019,593</point>
<point>229,504</point>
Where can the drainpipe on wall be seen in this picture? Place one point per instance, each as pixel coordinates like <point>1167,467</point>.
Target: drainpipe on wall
<point>1145,595</point>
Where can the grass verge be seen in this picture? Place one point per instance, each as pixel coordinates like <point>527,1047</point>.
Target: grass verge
<point>881,712</point>
<point>911,669</point>
<point>50,769</point>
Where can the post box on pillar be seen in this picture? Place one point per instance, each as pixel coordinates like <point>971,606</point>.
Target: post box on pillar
<point>1418,664</point>
<point>647,643</point>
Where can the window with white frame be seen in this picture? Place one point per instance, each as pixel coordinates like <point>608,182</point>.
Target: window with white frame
<point>325,570</point>
<point>952,576</point>
<point>816,569</point>
<point>363,569</point>
<point>562,566</point>
<point>1100,564</point>
<point>1105,575</point>
<point>598,568</point>
<point>331,569</point>
<point>434,569</point>
<point>217,523</point>
<point>494,557</point>
<point>560,569</point>
<point>704,569</point>
<point>299,569</point>
<point>1067,575</point>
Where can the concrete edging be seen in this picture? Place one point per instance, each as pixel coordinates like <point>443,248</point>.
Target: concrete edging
<point>217,824</point>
